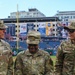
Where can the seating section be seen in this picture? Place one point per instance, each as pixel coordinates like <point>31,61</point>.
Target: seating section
<point>49,46</point>
<point>43,45</point>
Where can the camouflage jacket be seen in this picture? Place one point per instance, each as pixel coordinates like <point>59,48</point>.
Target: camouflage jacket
<point>37,64</point>
<point>65,59</point>
<point>6,60</point>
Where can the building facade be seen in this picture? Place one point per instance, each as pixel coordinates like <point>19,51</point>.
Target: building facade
<point>65,16</point>
<point>33,12</point>
<point>47,26</point>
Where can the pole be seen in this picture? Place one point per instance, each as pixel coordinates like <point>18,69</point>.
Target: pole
<point>17,28</point>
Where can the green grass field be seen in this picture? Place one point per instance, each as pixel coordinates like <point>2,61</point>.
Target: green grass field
<point>53,58</point>
<point>14,57</point>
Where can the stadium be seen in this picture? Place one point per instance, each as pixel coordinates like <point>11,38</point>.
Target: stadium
<point>51,33</point>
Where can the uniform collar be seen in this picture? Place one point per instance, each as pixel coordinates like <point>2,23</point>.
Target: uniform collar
<point>2,39</point>
<point>29,54</point>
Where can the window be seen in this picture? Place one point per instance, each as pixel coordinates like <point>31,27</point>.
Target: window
<point>53,29</point>
<point>53,24</point>
<point>49,24</point>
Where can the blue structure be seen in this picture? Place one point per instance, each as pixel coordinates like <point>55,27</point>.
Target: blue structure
<point>46,43</point>
<point>49,44</point>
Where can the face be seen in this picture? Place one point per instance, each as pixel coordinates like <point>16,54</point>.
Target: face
<point>33,48</point>
<point>2,32</point>
<point>71,33</point>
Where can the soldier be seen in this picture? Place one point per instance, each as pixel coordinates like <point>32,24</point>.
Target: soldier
<point>6,60</point>
<point>65,58</point>
<point>33,61</point>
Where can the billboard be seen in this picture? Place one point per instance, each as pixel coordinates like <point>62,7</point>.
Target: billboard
<point>42,28</point>
<point>11,29</point>
<point>64,33</point>
<point>30,26</point>
<point>23,29</point>
<point>49,28</point>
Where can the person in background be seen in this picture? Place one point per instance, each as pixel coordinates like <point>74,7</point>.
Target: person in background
<point>65,58</point>
<point>33,61</point>
<point>6,60</point>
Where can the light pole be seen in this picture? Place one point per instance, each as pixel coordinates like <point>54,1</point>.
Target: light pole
<point>17,28</point>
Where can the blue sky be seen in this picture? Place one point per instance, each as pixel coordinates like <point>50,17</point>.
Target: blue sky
<point>48,7</point>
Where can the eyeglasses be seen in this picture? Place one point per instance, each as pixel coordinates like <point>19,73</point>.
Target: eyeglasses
<point>71,30</point>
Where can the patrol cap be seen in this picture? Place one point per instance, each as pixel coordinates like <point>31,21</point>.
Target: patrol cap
<point>71,26</point>
<point>2,26</point>
<point>33,37</point>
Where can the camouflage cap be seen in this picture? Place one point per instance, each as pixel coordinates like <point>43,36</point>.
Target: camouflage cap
<point>71,26</point>
<point>2,26</point>
<point>33,37</point>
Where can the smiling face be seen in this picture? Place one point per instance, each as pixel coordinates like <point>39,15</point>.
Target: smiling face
<point>33,48</point>
<point>71,30</point>
<point>71,34</point>
<point>2,32</point>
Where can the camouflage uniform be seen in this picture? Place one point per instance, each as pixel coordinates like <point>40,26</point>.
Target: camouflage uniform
<point>38,64</point>
<point>65,58</point>
<point>6,61</point>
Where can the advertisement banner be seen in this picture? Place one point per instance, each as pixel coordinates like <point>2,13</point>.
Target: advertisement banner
<point>10,29</point>
<point>64,33</point>
<point>30,26</point>
<point>49,28</point>
<point>42,28</point>
<point>23,29</point>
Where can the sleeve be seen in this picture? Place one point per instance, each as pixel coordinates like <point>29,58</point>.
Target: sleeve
<point>10,58</point>
<point>59,61</point>
<point>10,64</point>
<point>49,66</point>
<point>18,66</point>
